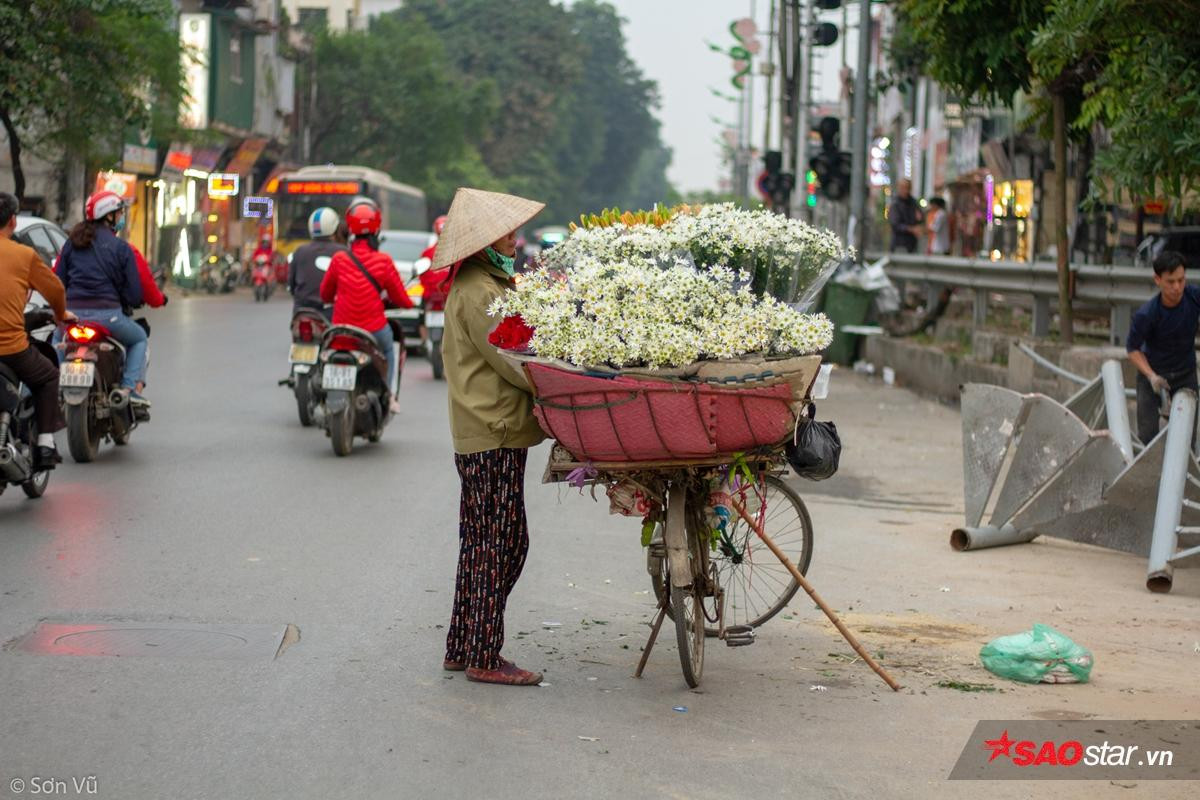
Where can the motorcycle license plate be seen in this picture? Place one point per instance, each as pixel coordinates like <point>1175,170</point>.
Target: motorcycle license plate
<point>304,354</point>
<point>339,376</point>
<point>435,319</point>
<point>77,374</point>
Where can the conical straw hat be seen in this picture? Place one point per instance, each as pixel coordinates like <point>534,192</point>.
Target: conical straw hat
<point>477,219</point>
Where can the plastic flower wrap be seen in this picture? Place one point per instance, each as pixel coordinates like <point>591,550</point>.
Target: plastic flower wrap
<point>785,258</point>
<point>639,312</point>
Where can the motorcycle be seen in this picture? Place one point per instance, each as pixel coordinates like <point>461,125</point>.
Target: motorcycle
<point>434,303</point>
<point>308,326</point>
<point>263,278</point>
<point>354,397</point>
<point>18,423</point>
<point>89,379</point>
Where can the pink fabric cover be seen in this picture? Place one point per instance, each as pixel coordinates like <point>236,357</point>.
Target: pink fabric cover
<point>633,419</point>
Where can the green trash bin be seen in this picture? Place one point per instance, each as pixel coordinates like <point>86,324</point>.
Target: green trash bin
<point>845,305</point>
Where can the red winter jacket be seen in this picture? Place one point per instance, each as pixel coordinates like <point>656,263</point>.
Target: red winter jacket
<point>355,301</point>
<point>150,292</point>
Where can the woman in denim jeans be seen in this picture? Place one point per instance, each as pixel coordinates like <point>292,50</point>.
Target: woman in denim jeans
<point>100,274</point>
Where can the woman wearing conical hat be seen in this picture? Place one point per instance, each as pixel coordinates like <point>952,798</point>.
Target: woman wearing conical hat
<point>492,423</point>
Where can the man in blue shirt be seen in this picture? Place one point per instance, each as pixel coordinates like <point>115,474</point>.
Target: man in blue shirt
<point>1162,341</point>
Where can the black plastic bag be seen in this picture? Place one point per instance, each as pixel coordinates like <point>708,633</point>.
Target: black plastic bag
<point>816,448</point>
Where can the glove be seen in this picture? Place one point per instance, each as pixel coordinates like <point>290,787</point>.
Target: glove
<point>166,299</point>
<point>1160,384</point>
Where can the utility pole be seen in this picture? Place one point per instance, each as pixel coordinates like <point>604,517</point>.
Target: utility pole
<point>856,230</point>
<point>807,19</point>
<point>769,72</point>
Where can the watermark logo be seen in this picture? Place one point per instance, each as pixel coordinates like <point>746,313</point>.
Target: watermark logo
<point>1081,750</point>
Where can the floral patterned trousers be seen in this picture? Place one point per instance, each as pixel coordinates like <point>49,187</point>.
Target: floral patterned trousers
<point>493,541</point>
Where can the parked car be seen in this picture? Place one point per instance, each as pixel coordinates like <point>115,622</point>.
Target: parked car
<point>1184,240</point>
<point>42,235</point>
<point>46,238</point>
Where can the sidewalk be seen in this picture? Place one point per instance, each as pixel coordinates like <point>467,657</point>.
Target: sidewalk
<point>882,558</point>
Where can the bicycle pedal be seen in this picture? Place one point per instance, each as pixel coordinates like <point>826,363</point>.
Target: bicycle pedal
<point>739,636</point>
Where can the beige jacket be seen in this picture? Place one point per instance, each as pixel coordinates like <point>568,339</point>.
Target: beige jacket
<point>490,404</point>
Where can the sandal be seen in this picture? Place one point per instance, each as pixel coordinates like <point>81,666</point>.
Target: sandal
<point>509,674</point>
<point>451,665</point>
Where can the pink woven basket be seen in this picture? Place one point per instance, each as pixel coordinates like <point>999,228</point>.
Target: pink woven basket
<point>624,419</point>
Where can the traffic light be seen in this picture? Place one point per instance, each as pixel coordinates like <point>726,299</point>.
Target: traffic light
<point>825,34</point>
<point>810,179</point>
<point>833,171</point>
<point>775,184</point>
<point>831,165</point>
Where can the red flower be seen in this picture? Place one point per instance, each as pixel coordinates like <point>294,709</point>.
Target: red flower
<point>511,334</point>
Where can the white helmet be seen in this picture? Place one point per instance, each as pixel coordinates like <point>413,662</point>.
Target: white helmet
<point>322,223</point>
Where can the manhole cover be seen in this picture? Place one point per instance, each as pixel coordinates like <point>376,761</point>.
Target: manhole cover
<point>174,640</point>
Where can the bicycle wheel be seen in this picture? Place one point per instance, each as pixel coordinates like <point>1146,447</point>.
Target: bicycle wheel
<point>686,601</point>
<point>757,586</point>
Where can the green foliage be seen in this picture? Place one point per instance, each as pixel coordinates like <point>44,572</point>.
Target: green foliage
<point>77,73</point>
<point>522,96</point>
<point>975,48</point>
<point>1129,68</point>
<point>389,98</point>
<point>1137,69</point>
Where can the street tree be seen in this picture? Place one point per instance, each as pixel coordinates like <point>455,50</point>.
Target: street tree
<point>981,49</point>
<point>1138,66</point>
<point>389,97</point>
<point>76,74</point>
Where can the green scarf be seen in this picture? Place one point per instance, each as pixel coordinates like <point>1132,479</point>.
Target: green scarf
<point>501,261</point>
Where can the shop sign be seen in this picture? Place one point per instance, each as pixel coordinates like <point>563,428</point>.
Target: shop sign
<point>140,160</point>
<point>205,159</point>
<point>195,38</point>
<point>179,158</point>
<point>257,207</point>
<point>223,184</point>
<point>119,182</point>
<point>245,157</point>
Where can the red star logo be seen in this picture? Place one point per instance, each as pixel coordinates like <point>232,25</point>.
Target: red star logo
<point>1000,747</point>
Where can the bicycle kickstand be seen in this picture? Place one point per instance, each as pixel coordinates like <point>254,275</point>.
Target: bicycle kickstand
<point>658,621</point>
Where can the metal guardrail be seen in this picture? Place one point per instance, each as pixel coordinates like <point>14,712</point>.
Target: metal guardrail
<point>1121,288</point>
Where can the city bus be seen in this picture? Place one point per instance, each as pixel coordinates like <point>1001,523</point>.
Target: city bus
<point>301,192</point>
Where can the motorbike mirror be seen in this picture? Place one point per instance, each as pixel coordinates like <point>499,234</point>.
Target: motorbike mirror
<point>421,265</point>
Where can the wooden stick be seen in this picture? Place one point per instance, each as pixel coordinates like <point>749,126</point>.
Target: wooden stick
<point>842,629</point>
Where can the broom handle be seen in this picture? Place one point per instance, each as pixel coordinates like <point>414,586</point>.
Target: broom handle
<point>842,629</point>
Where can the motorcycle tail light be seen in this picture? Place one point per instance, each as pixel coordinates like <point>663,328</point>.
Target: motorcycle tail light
<point>81,333</point>
<point>304,329</point>
<point>344,343</point>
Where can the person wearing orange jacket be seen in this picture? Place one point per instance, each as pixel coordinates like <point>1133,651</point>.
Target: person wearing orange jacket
<point>20,271</point>
<point>357,279</point>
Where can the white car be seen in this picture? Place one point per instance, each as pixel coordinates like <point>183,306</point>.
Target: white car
<point>42,235</point>
<point>46,238</point>
<point>405,248</point>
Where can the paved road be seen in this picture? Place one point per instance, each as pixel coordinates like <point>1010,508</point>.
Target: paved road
<point>223,510</point>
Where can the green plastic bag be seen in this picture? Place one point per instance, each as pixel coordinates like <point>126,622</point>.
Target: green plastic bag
<point>1042,655</point>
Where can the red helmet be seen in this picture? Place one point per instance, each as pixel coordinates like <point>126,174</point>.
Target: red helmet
<point>101,204</point>
<point>438,224</point>
<point>363,217</point>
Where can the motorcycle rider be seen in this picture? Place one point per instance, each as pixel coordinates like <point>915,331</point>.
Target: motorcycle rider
<point>100,274</point>
<point>311,261</point>
<point>21,270</point>
<point>357,299</point>
<point>432,279</point>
